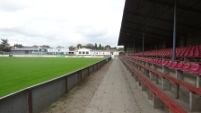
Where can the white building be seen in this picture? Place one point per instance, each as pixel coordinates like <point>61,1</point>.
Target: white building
<point>28,50</point>
<point>38,50</point>
<point>89,52</point>
<point>83,51</point>
<point>58,51</point>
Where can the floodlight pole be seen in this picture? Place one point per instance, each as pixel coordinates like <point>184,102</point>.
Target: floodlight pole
<point>174,31</point>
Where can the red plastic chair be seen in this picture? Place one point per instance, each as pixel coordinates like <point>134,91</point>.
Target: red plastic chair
<point>174,64</point>
<point>159,62</point>
<point>194,67</point>
<point>186,66</point>
<point>197,54</point>
<point>164,63</point>
<point>153,61</point>
<point>169,64</point>
<point>179,65</point>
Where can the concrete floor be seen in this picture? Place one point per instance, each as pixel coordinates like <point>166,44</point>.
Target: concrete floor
<point>117,92</point>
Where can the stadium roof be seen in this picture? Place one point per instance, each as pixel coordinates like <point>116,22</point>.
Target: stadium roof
<point>155,19</point>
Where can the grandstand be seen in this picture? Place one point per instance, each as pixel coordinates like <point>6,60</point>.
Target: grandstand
<point>162,41</point>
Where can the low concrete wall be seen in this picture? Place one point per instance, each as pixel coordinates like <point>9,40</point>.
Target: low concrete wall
<point>36,98</point>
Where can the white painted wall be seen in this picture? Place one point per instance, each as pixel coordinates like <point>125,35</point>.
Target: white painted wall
<point>83,51</point>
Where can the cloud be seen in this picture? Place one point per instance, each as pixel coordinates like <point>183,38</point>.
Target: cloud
<point>12,5</point>
<point>60,22</point>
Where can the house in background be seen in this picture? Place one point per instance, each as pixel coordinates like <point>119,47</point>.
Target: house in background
<point>83,52</point>
<point>89,52</point>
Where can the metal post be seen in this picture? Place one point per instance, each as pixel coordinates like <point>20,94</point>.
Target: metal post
<point>143,44</point>
<point>174,32</point>
<point>128,49</point>
<point>134,46</point>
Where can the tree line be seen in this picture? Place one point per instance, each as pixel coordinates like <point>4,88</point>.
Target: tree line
<point>5,46</point>
<point>95,47</point>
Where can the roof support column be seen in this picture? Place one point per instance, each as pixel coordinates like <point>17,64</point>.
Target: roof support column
<point>134,46</point>
<point>174,32</point>
<point>143,44</point>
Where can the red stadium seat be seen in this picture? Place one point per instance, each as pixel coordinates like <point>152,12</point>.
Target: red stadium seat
<point>174,64</point>
<point>179,65</point>
<point>169,64</point>
<point>159,62</point>
<point>186,66</point>
<point>194,68</point>
<point>164,63</point>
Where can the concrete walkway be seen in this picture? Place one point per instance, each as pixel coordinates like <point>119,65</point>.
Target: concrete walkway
<point>111,89</point>
<point>119,93</point>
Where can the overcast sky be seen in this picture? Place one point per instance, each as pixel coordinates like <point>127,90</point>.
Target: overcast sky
<point>60,22</point>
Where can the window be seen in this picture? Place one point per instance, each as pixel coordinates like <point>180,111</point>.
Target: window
<point>26,52</point>
<point>80,52</point>
<point>87,52</point>
<point>83,52</point>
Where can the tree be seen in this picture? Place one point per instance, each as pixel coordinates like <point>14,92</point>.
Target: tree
<point>100,47</point>
<point>79,46</point>
<point>107,47</point>
<point>120,49</point>
<point>95,47</point>
<point>91,46</point>
<point>45,46</point>
<point>18,45</point>
<point>71,48</point>
<point>4,46</point>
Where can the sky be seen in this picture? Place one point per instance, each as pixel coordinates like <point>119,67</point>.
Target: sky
<point>61,22</point>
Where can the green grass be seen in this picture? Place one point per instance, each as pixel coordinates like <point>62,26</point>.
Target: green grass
<point>19,73</point>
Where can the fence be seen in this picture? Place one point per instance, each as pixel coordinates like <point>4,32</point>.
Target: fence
<point>36,98</point>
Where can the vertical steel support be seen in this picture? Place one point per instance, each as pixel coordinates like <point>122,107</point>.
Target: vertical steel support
<point>30,101</point>
<point>174,32</point>
<point>143,44</point>
<point>134,45</point>
<point>128,49</point>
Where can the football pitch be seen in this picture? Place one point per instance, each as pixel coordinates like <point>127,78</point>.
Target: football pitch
<point>19,73</point>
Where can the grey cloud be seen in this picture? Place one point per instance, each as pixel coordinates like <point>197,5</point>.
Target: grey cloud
<point>90,32</point>
<point>8,5</point>
<point>10,32</point>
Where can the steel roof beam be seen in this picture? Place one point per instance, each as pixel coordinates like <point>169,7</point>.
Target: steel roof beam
<point>163,20</point>
<point>178,7</point>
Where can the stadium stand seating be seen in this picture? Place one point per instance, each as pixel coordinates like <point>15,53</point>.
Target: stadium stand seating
<point>173,106</point>
<point>187,67</point>
<point>189,87</point>
<point>189,51</point>
<point>143,65</point>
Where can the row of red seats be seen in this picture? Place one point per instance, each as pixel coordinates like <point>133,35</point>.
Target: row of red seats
<point>172,105</point>
<point>194,68</point>
<point>189,51</point>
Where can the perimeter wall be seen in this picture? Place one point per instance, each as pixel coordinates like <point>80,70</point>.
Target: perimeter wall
<point>36,98</point>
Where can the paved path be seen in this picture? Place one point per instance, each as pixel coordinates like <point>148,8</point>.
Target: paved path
<point>119,93</point>
<point>112,89</point>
